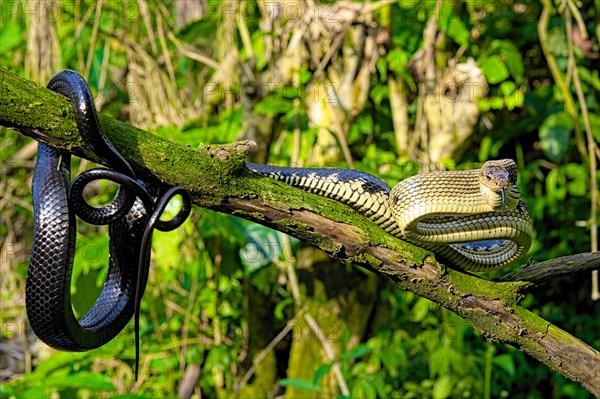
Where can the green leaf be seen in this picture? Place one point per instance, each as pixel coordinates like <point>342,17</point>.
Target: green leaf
<point>218,357</point>
<point>443,387</point>
<point>513,60</point>
<point>164,364</point>
<point>378,93</point>
<point>458,32</point>
<point>578,179</point>
<point>554,135</point>
<point>6,391</point>
<point>363,389</point>
<point>59,360</point>
<point>398,61</point>
<point>557,42</point>
<point>10,36</point>
<point>365,124</point>
<point>299,384</point>
<point>394,358</point>
<point>321,372</point>
<point>506,363</point>
<point>82,379</point>
<point>453,26</point>
<point>272,105</point>
<point>377,382</point>
<point>485,149</point>
<point>420,310</point>
<point>516,99</point>
<point>494,69</point>
<point>555,185</point>
<point>85,290</point>
<point>203,30</point>
<point>496,103</point>
<point>358,351</point>
<point>440,360</point>
<point>507,88</point>
<point>382,69</point>
<point>91,257</point>
<point>33,393</point>
<point>280,307</point>
<point>305,75</point>
<point>166,247</point>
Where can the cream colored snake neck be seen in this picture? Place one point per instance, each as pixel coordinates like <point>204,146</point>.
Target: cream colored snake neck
<point>475,219</point>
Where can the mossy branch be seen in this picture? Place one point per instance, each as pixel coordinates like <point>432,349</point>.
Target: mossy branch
<point>553,268</point>
<point>217,179</point>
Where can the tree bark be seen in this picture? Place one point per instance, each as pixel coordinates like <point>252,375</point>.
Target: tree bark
<point>553,268</point>
<point>216,178</point>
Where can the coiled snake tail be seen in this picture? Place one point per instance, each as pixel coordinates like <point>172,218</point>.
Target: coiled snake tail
<point>131,218</point>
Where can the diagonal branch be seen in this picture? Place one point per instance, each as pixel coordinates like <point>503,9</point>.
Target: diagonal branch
<point>216,178</point>
<point>553,268</point>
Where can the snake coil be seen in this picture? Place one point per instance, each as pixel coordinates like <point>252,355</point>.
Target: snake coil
<point>475,219</point>
<point>131,216</point>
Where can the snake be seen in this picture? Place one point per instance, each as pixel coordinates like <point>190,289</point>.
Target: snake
<point>131,217</point>
<point>474,219</point>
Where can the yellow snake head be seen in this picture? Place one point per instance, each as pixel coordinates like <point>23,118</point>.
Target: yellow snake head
<point>497,185</point>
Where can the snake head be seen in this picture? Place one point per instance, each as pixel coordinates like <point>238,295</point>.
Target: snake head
<point>494,180</point>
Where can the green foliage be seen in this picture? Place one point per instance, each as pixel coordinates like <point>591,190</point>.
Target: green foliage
<point>554,135</point>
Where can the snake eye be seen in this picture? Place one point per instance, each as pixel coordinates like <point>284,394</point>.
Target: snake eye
<point>488,177</point>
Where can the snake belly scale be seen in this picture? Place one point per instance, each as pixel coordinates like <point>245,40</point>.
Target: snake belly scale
<point>474,219</point>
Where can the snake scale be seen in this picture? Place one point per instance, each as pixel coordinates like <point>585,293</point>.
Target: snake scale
<point>132,216</point>
<point>475,219</point>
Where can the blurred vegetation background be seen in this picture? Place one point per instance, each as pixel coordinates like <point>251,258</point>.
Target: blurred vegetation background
<point>234,309</point>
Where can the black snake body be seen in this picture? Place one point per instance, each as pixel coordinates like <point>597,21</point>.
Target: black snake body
<point>131,217</point>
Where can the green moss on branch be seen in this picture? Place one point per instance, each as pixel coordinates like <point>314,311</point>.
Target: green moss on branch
<point>217,179</point>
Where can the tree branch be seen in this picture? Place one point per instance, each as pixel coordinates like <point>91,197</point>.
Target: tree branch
<point>563,266</point>
<point>217,179</point>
